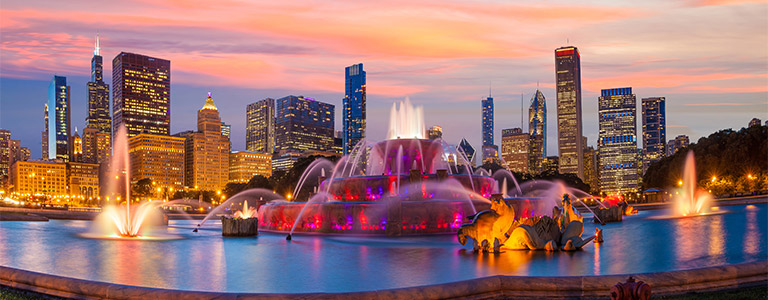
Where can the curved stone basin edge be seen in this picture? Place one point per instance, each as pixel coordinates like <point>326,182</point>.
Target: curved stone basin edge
<point>499,286</point>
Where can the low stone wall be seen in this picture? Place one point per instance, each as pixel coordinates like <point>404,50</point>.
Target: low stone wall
<point>500,286</point>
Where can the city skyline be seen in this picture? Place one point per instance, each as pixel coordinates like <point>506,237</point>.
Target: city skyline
<point>715,81</point>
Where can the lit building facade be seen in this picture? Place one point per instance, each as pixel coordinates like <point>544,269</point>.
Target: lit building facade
<point>487,104</point>
<point>354,106</point>
<point>76,147</point>
<point>283,160</point>
<point>516,149</point>
<point>44,135</point>
<point>243,165</point>
<point>654,130</point>
<point>304,124</point>
<point>551,164</point>
<point>591,172</point>
<point>39,177</point>
<point>537,130</point>
<point>141,94</point>
<point>467,149</point>
<point>159,158</point>
<point>680,142</point>
<point>569,125</point>
<point>98,95</point>
<point>5,152</point>
<point>83,180</point>
<point>491,155</point>
<point>58,125</point>
<point>206,151</point>
<point>617,143</point>
<point>260,126</point>
<point>435,132</point>
<point>97,145</point>
<point>226,130</point>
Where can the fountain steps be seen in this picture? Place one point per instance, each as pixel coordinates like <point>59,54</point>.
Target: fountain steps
<point>663,283</point>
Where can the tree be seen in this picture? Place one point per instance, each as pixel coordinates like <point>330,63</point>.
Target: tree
<point>728,155</point>
<point>143,188</point>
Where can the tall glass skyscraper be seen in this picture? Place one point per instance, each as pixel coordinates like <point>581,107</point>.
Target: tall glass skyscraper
<point>570,148</point>
<point>537,130</point>
<point>59,119</point>
<point>98,95</point>
<point>354,107</point>
<point>303,124</point>
<point>260,126</point>
<point>141,94</point>
<point>487,121</point>
<point>654,130</point>
<point>618,141</point>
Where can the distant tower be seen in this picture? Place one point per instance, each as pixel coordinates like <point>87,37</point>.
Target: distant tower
<point>537,130</point>
<point>303,124</point>
<point>654,130</point>
<point>487,104</point>
<point>98,95</point>
<point>58,127</point>
<point>468,150</point>
<point>44,135</point>
<point>76,147</point>
<point>206,155</point>
<point>569,126</point>
<point>618,141</point>
<point>141,94</point>
<point>354,107</point>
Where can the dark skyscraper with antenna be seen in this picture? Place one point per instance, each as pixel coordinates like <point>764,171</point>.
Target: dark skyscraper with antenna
<point>487,104</point>
<point>98,95</point>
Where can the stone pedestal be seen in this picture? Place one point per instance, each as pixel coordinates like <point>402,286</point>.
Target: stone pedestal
<point>239,227</point>
<point>394,217</point>
<point>610,214</point>
<point>442,174</point>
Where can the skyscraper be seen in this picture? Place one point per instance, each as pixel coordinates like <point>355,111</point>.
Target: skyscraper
<point>226,130</point>
<point>680,142</point>
<point>591,171</point>
<point>487,121</point>
<point>618,141</point>
<point>58,126</point>
<point>260,126</point>
<point>568,80</point>
<point>97,146</point>
<point>76,147</point>
<point>435,132</point>
<point>159,158</point>
<point>654,130</point>
<point>537,130</point>
<point>468,150</point>
<point>5,153</point>
<point>354,106</point>
<point>98,95</point>
<point>303,124</point>
<point>141,94</point>
<point>515,149</point>
<point>206,151</point>
<point>44,136</point>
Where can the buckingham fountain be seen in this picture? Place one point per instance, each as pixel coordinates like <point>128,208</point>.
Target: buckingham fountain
<point>392,215</point>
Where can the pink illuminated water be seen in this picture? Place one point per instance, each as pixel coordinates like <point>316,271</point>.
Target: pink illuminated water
<point>691,200</point>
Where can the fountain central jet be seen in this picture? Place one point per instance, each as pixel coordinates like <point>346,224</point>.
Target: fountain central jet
<point>691,200</point>
<point>406,122</point>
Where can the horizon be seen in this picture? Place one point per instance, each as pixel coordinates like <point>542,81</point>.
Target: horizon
<point>682,52</point>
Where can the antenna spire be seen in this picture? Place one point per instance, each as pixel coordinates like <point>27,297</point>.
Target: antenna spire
<point>96,48</point>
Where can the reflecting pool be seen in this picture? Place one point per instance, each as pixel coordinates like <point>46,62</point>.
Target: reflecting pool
<point>206,261</point>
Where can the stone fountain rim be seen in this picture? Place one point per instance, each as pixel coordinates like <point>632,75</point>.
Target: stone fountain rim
<point>715,278</point>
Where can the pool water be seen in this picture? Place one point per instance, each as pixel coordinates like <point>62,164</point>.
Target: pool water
<point>206,261</point>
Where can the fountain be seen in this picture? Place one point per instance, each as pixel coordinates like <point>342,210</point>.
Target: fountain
<point>405,185</point>
<point>121,221</point>
<point>691,201</point>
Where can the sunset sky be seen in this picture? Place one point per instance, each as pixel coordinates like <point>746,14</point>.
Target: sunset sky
<point>708,58</point>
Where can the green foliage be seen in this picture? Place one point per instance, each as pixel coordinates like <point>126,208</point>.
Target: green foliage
<point>729,156</point>
<point>142,188</point>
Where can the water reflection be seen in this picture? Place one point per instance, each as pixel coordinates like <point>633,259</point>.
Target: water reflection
<point>208,262</point>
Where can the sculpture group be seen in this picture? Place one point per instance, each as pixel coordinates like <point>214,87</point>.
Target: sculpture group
<point>496,229</point>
